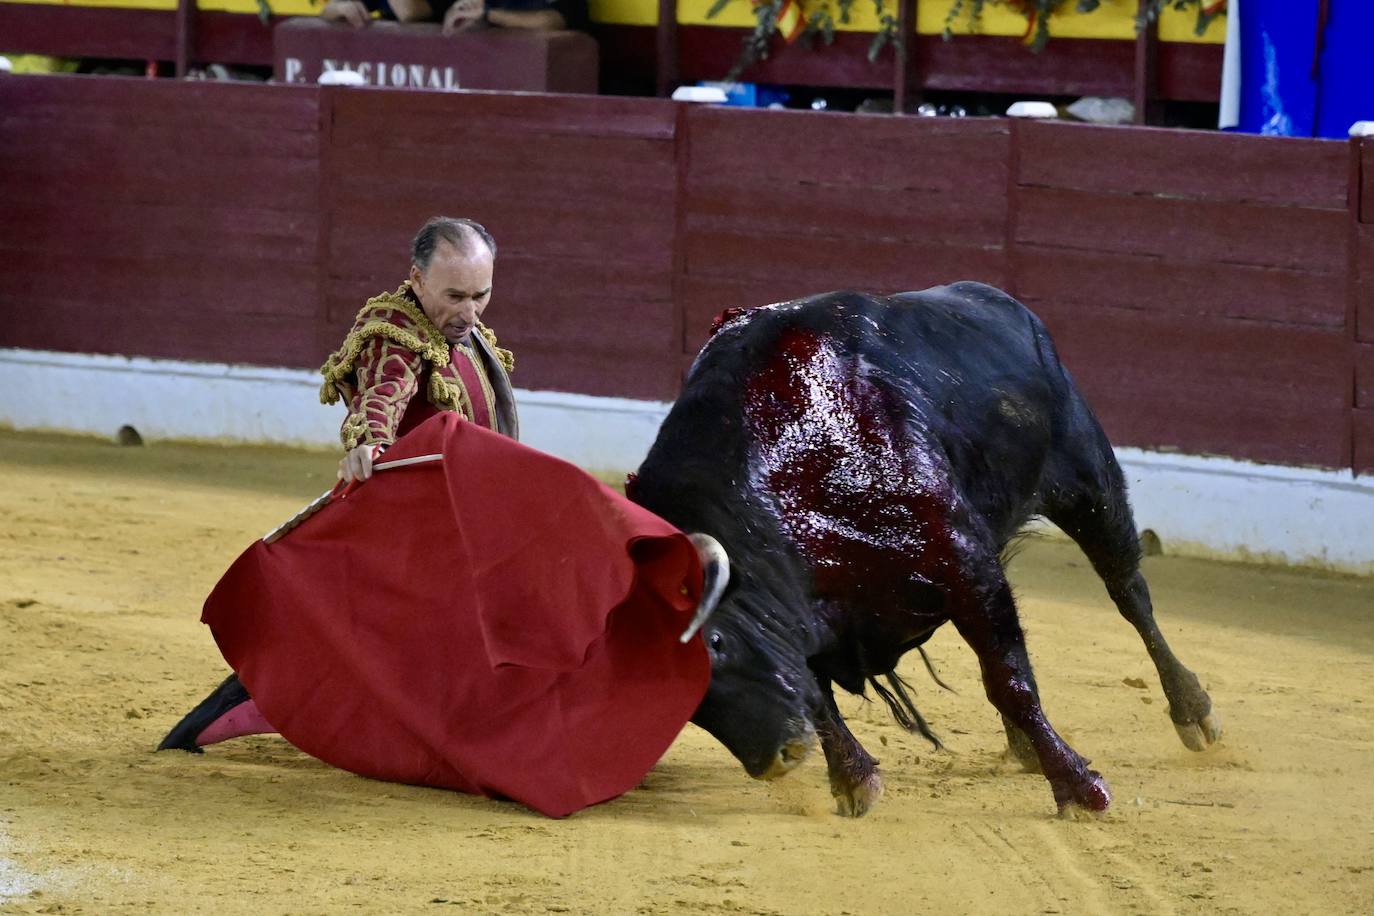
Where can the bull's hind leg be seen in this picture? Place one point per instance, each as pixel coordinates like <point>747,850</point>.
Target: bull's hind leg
<point>983,611</point>
<point>1086,497</point>
<point>228,712</point>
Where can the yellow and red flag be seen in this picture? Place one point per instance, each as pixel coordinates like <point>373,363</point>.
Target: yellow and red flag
<point>791,20</point>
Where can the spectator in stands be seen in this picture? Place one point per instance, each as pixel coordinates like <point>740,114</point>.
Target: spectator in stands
<point>549,15</point>
<point>358,13</point>
<point>462,15</point>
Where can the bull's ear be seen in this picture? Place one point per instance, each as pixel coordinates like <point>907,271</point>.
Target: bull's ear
<point>715,571</point>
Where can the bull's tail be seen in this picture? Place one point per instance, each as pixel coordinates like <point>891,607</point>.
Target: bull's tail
<point>930,669</point>
<point>897,696</point>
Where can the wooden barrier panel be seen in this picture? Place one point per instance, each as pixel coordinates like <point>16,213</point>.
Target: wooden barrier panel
<point>1364,375</point>
<point>1363,413</point>
<point>578,192</point>
<point>1196,284</point>
<point>781,204</point>
<point>1363,422</point>
<point>1366,205</point>
<point>159,219</point>
<point>1210,386</point>
<point>1364,281</point>
<point>1199,285</point>
<point>1191,165</point>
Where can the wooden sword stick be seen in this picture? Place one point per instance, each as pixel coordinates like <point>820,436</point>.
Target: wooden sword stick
<point>328,496</point>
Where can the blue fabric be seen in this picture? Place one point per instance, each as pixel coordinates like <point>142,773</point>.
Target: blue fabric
<point>1280,94</point>
<point>1345,91</point>
<point>1277,40</point>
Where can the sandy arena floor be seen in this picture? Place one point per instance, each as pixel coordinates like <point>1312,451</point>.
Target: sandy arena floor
<point>107,552</point>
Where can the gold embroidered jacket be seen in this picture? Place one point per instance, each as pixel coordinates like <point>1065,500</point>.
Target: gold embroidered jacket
<point>392,349</point>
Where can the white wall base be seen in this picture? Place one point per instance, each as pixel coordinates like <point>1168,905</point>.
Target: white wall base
<point>167,399</point>
<point>1199,506</point>
<point>1260,513</point>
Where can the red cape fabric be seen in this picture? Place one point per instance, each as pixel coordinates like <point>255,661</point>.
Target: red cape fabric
<point>498,623</point>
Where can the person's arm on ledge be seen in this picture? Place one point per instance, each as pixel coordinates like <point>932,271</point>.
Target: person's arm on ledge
<point>412,11</point>
<point>350,11</point>
<point>549,20</point>
<point>467,14</point>
<point>357,14</point>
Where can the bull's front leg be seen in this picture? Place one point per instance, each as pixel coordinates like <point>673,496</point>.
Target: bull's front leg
<point>985,616</point>
<point>854,778</point>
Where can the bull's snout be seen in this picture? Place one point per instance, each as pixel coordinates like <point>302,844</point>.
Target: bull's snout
<point>789,756</point>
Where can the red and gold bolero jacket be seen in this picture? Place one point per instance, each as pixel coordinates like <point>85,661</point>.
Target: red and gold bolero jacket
<point>393,352</point>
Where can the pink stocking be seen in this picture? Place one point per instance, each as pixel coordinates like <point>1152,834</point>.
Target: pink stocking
<point>243,719</point>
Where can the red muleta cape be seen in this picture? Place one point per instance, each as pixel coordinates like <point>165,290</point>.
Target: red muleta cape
<point>498,623</point>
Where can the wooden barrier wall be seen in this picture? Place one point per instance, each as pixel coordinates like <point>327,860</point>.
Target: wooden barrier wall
<point>160,219</point>
<point>1213,293</point>
<point>579,193</point>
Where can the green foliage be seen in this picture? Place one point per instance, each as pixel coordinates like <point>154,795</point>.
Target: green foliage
<point>1153,8</point>
<point>1041,10</point>
<point>755,46</point>
<point>819,23</point>
<point>821,19</point>
<point>823,15</point>
<point>886,34</point>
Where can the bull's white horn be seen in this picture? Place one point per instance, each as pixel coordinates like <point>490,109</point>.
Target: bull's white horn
<point>715,571</point>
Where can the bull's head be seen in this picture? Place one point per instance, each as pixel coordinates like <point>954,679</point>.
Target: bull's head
<point>762,696</point>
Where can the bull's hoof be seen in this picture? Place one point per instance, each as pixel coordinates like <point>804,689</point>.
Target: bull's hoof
<point>855,798</point>
<point>1200,735</point>
<point>1087,795</point>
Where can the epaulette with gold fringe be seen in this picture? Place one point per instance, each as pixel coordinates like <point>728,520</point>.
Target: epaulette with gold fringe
<point>505,357</point>
<point>397,318</point>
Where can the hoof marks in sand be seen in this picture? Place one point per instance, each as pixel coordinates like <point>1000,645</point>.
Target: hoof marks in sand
<point>1076,812</point>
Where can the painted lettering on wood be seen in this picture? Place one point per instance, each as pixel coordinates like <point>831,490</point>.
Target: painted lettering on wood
<point>418,56</point>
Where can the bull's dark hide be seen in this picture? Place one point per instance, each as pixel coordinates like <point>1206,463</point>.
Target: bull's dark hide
<point>865,460</point>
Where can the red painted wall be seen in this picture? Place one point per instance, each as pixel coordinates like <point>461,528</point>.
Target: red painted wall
<point>579,193</point>
<point>796,202</point>
<point>1196,284</point>
<point>160,219</point>
<point>1209,291</point>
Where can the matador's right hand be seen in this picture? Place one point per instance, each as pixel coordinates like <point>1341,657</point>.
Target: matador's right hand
<point>356,464</point>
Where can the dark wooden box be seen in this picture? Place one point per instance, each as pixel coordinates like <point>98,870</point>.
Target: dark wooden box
<point>417,56</point>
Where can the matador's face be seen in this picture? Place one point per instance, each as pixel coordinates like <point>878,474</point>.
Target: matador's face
<point>456,287</point>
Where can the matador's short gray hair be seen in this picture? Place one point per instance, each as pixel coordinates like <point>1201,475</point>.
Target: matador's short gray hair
<point>456,231</point>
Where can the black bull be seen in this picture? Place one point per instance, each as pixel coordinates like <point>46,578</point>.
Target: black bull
<point>864,461</point>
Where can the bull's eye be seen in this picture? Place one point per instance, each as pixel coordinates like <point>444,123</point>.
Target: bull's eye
<point>714,642</point>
